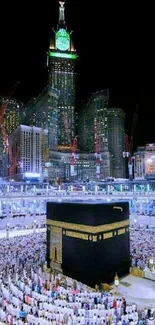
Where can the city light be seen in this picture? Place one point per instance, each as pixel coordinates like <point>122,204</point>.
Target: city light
<point>71,56</point>
<point>31,175</point>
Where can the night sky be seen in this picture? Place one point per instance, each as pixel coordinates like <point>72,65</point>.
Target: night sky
<point>115,46</point>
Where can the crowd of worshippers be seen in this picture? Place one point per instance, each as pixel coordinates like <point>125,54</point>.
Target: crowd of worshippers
<point>41,298</point>
<point>29,295</point>
<point>23,251</point>
<point>142,247</point>
<point>22,222</point>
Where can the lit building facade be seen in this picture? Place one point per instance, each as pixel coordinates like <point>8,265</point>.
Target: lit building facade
<point>42,112</point>
<point>13,117</point>
<point>14,114</point>
<point>84,167</point>
<point>116,136</point>
<point>93,128</point>
<point>30,113</point>
<point>94,122</point>
<point>144,162</point>
<point>61,69</point>
<point>27,154</point>
<point>88,166</point>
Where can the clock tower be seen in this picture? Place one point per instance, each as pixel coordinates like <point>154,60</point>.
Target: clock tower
<point>61,71</point>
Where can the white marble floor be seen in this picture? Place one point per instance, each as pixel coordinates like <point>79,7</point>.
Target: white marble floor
<point>140,291</point>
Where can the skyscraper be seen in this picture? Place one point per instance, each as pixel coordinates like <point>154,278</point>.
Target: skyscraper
<point>42,112</point>
<point>93,135</point>
<point>13,116</point>
<point>61,67</point>
<point>26,161</point>
<point>116,133</point>
<point>94,122</point>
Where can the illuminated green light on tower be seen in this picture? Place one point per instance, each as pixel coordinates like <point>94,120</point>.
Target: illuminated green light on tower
<point>71,56</point>
<point>62,40</point>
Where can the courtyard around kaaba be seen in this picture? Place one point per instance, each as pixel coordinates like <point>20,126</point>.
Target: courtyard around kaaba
<point>134,289</point>
<point>139,290</point>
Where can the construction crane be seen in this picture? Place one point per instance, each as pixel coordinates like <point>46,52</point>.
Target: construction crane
<point>129,142</point>
<point>6,148</point>
<point>97,150</point>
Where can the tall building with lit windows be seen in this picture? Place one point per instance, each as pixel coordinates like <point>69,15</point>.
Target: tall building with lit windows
<point>116,136</point>
<point>42,111</point>
<point>13,116</point>
<point>94,122</point>
<point>26,161</point>
<point>61,70</point>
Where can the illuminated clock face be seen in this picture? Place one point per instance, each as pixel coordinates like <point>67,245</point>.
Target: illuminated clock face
<point>62,40</point>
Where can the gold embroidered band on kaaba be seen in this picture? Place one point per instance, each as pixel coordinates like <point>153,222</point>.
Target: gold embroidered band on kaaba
<point>88,229</point>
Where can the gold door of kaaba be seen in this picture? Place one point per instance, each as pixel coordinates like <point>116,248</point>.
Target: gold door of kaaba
<point>56,247</point>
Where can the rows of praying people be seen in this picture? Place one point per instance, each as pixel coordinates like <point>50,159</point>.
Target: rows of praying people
<point>142,246</point>
<point>31,296</point>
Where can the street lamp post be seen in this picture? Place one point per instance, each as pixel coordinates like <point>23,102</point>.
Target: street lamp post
<point>7,230</point>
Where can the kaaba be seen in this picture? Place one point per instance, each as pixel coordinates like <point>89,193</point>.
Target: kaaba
<point>89,241</point>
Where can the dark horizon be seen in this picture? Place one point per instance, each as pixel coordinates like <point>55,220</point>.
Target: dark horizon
<point>115,52</point>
